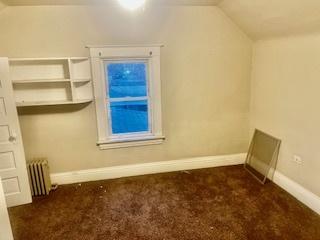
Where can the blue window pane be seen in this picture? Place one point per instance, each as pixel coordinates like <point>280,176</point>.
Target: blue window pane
<point>127,79</point>
<point>129,117</point>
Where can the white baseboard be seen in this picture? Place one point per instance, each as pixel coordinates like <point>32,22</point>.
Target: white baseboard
<point>146,168</point>
<point>296,190</point>
<point>292,187</point>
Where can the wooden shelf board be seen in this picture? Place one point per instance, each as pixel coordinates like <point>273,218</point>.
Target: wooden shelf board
<point>40,81</point>
<point>79,58</point>
<point>38,59</point>
<point>51,103</point>
<point>48,59</point>
<point>81,80</point>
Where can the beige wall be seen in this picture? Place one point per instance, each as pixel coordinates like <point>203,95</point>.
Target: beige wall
<point>285,102</point>
<point>2,5</point>
<point>205,80</point>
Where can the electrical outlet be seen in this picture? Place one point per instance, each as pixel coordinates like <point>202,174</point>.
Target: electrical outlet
<point>297,159</point>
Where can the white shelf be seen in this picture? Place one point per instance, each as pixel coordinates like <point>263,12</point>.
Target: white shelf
<point>79,58</point>
<point>40,81</point>
<point>81,80</point>
<point>50,103</point>
<point>37,59</point>
<point>48,59</point>
<point>51,81</point>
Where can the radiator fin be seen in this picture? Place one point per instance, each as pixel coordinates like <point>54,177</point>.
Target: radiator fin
<point>39,176</point>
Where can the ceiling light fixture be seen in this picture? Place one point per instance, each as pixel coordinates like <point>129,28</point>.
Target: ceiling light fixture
<point>132,4</point>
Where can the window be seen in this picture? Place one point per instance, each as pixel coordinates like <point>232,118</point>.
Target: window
<point>127,95</point>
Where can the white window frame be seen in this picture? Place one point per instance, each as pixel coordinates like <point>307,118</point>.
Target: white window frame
<point>100,55</point>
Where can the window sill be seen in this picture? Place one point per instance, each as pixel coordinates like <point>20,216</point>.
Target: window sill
<point>125,143</point>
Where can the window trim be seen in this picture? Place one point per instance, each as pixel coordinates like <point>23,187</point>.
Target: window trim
<point>151,55</point>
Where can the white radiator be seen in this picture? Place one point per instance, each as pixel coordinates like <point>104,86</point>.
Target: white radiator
<point>39,176</point>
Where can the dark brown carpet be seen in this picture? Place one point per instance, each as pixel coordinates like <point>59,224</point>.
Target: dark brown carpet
<point>220,203</point>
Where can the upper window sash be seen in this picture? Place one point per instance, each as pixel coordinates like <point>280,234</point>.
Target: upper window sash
<point>145,61</point>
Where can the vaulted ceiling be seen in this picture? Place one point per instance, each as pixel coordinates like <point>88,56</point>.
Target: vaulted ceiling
<point>258,18</point>
<point>272,18</point>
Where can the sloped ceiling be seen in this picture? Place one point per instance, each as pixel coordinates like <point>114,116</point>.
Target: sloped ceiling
<point>93,2</point>
<point>258,18</point>
<point>272,18</point>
